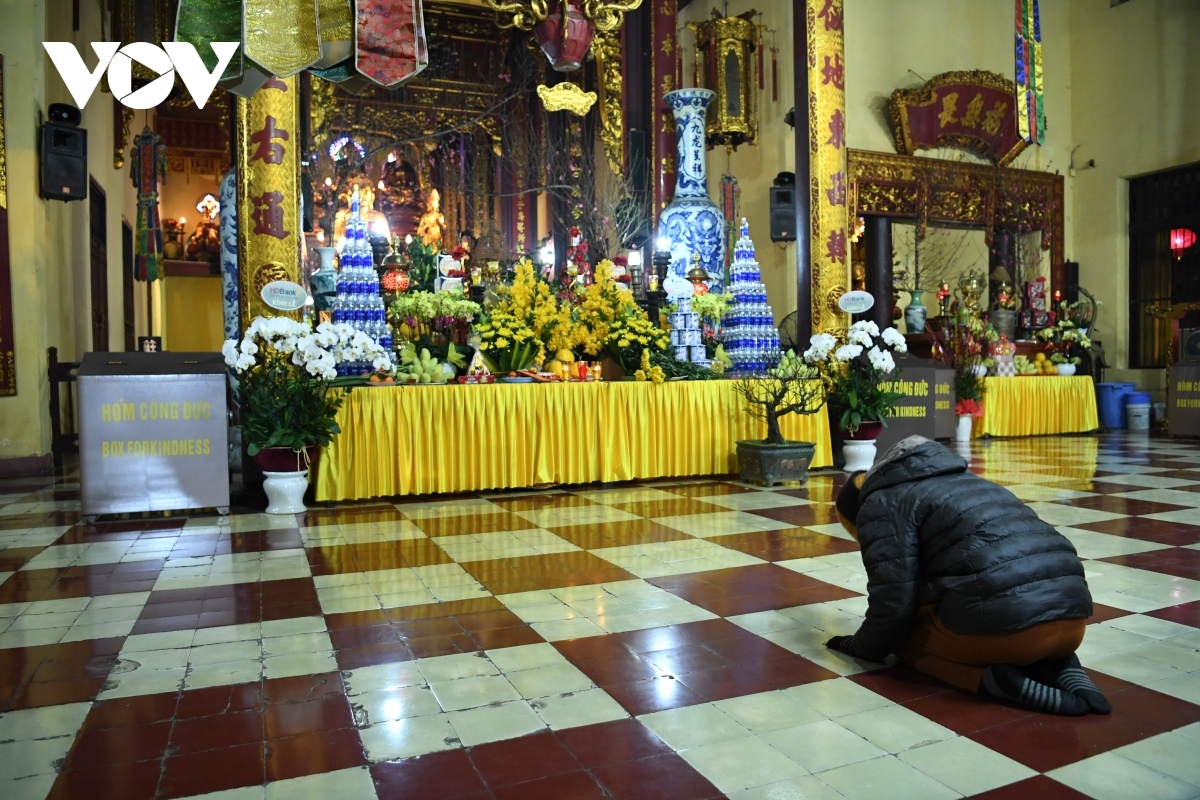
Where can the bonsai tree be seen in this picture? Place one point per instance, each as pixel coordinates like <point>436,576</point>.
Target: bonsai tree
<point>790,388</point>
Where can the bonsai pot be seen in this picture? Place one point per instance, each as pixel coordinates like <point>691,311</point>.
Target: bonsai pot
<point>285,474</point>
<point>768,463</point>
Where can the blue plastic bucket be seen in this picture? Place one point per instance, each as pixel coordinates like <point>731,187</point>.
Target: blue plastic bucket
<point>1110,400</point>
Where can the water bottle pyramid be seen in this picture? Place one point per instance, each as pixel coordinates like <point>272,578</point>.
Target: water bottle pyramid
<point>748,329</point>
<point>358,303</point>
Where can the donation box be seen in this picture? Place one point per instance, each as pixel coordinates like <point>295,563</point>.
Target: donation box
<point>152,432</point>
<point>1183,397</point>
<point>926,405</point>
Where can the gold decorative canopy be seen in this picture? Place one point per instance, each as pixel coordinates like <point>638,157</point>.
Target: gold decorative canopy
<point>605,15</point>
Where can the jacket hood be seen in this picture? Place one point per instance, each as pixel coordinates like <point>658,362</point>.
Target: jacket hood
<point>912,459</point>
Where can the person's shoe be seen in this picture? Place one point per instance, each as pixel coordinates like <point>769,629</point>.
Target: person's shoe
<point>1006,682</point>
<point>1068,674</point>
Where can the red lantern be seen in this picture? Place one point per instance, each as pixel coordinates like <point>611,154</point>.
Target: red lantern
<point>1181,239</point>
<point>565,45</point>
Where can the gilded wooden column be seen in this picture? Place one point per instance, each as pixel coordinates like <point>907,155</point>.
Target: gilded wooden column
<point>826,107</point>
<point>268,167</point>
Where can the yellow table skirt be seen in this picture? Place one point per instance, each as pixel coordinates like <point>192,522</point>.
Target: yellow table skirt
<point>1037,405</point>
<point>442,439</point>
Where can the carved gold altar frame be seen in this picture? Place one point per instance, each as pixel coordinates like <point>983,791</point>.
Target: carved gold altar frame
<point>931,190</point>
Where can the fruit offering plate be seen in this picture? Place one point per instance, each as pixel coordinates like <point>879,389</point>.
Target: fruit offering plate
<point>518,379</point>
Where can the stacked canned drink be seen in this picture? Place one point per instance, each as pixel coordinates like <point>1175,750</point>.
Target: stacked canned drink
<point>358,303</point>
<point>686,334</point>
<point>748,328</point>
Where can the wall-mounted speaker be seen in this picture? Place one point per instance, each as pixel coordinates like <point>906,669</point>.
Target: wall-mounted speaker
<point>783,213</point>
<point>64,169</point>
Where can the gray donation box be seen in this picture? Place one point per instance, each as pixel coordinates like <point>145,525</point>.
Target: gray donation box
<point>152,432</point>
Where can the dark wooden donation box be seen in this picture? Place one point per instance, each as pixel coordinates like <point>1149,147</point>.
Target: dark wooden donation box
<point>927,407</point>
<point>1183,398</point>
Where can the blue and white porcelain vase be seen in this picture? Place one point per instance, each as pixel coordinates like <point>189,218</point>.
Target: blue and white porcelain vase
<point>692,221</point>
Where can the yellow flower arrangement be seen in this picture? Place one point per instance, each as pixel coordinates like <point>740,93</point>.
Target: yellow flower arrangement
<point>515,332</point>
<point>648,372</point>
<point>609,320</point>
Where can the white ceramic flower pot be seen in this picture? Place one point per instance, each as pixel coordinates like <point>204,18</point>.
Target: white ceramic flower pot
<point>962,433</point>
<point>285,491</point>
<point>860,454</point>
<point>1066,370</point>
<point>979,370</point>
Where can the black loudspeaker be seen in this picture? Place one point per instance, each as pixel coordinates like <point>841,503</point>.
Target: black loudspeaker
<point>306,203</point>
<point>1072,278</point>
<point>637,160</point>
<point>64,169</point>
<point>783,213</point>
<point>65,114</point>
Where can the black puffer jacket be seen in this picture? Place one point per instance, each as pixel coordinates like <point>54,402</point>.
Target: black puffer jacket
<point>933,532</point>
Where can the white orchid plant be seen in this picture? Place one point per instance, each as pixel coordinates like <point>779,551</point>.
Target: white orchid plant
<point>854,372</point>
<point>289,379</point>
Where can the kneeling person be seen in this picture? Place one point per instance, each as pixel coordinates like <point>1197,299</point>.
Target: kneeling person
<point>966,583</point>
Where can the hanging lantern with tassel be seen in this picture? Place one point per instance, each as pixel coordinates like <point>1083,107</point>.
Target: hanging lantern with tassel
<point>727,47</point>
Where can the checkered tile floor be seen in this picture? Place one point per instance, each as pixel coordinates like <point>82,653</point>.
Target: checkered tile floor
<point>659,640</point>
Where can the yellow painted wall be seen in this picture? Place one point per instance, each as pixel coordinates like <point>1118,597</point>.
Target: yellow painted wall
<point>48,240</point>
<point>1135,75</point>
<point>194,314</point>
<point>756,167</point>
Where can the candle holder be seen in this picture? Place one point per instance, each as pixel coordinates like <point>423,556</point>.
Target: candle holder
<point>656,297</point>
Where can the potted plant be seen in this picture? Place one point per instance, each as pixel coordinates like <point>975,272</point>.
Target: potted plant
<point>291,393</point>
<point>961,347</point>
<point>855,377</point>
<point>966,410</point>
<point>792,387</point>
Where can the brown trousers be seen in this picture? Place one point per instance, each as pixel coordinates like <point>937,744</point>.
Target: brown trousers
<point>961,660</point>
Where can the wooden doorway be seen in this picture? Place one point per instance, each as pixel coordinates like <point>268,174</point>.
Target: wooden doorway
<point>127,283</point>
<point>98,211</point>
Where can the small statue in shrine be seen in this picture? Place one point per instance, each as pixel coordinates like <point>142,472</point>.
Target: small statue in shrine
<point>432,222</point>
<point>205,242</point>
<point>577,275</point>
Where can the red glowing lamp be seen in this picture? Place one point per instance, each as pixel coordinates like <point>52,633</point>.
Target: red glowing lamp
<point>1181,239</point>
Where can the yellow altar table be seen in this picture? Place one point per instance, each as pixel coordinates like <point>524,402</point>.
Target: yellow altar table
<point>443,439</point>
<point>1037,405</point>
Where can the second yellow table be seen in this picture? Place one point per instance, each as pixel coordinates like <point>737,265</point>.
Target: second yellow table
<point>1037,405</point>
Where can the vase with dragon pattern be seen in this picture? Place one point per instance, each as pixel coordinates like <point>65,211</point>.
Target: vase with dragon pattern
<point>692,221</point>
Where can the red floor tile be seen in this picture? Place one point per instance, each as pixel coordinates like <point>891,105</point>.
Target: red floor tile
<point>1178,561</point>
<point>214,732</point>
<point>612,742</point>
<point>1105,613</point>
<point>129,781</point>
<point>302,689</point>
<point>212,771</point>
<point>313,753</point>
<point>371,655</point>
<point>659,694</point>
<point>97,748</point>
<point>293,719</point>
<point>1039,787</point>
<point>451,772</point>
<point>568,786</point>
<point>900,684</point>
<point>664,777</point>
<point>621,668</point>
<point>1185,614</point>
<point>965,713</point>
<point>1043,742</point>
<point>219,700</point>
<point>495,638</point>
<point>123,711</point>
<point>520,760</point>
